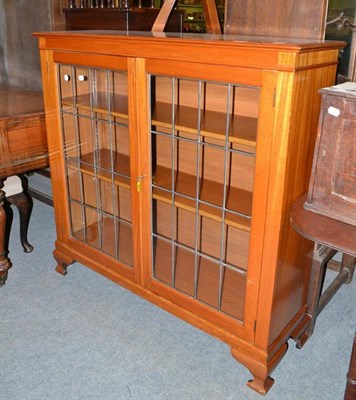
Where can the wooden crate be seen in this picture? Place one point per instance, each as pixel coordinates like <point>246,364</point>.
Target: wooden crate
<point>332,190</point>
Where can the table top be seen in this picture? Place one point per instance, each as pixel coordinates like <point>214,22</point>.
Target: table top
<point>16,102</point>
<point>321,229</point>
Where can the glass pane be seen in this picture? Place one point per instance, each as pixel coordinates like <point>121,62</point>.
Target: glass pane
<point>93,221</point>
<point>73,182</point>
<point>208,284</point>
<point>233,293</point>
<point>67,88</point>
<point>162,254</point>
<point>77,220</point>
<point>184,270</point>
<point>71,148</point>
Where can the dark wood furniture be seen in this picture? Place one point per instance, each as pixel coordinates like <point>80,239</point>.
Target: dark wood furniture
<point>330,236</point>
<point>326,214</point>
<point>23,148</point>
<point>332,190</point>
<point>293,18</point>
<point>175,160</point>
<point>134,19</point>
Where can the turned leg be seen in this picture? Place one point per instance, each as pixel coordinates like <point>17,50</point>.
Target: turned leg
<point>5,263</point>
<point>63,261</point>
<point>23,203</point>
<point>261,371</point>
<point>348,262</point>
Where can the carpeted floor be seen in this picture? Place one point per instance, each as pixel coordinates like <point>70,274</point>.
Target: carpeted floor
<point>83,337</point>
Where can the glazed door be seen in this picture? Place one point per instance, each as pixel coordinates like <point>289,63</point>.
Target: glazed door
<point>96,151</point>
<point>203,150</point>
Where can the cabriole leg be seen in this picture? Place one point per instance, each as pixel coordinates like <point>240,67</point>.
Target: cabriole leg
<point>63,261</point>
<point>23,202</point>
<point>261,371</point>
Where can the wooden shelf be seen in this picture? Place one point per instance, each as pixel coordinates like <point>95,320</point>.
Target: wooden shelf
<point>121,165</point>
<point>238,200</point>
<point>118,104</point>
<point>243,130</point>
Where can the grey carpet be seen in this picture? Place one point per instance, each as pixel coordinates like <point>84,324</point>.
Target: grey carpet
<point>83,337</point>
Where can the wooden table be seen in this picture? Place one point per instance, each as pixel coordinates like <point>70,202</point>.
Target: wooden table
<point>330,236</point>
<point>23,148</point>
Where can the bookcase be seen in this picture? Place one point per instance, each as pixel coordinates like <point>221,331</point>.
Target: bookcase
<point>175,159</point>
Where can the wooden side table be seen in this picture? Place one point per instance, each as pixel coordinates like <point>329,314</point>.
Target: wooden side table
<point>330,236</point>
<point>23,148</point>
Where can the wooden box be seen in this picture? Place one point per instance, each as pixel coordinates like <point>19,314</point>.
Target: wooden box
<point>332,189</point>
